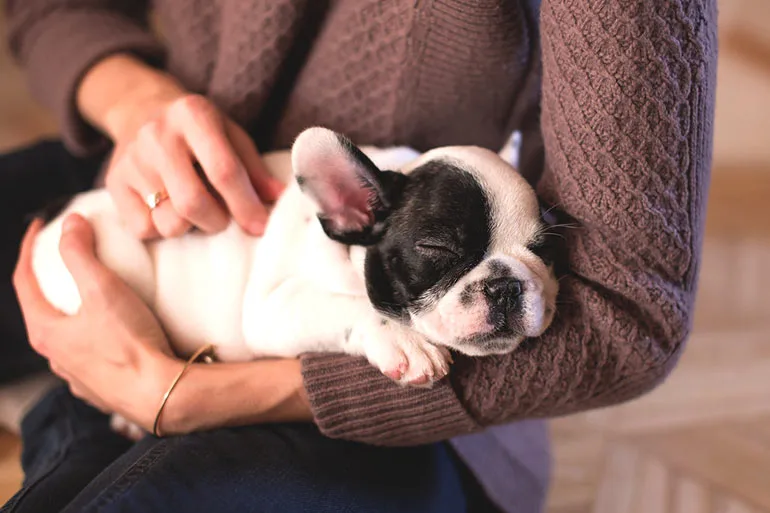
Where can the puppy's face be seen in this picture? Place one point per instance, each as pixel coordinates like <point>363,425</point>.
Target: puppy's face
<point>455,241</point>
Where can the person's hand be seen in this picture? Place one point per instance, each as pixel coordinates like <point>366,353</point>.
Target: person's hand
<point>112,353</point>
<point>175,144</point>
<point>159,140</point>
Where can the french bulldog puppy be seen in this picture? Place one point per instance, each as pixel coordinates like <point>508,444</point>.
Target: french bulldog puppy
<point>381,252</point>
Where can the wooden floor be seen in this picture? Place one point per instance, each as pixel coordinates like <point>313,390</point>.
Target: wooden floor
<point>701,442</point>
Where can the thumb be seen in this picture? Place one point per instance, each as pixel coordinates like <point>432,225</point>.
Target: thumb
<point>78,250</point>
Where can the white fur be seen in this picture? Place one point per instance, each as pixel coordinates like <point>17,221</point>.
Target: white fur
<point>293,290</point>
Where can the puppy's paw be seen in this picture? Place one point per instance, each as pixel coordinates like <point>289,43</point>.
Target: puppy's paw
<point>125,427</point>
<point>405,356</point>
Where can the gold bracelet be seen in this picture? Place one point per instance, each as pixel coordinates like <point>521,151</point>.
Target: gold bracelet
<point>207,359</point>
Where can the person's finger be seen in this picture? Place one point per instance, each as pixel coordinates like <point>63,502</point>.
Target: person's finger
<point>35,307</point>
<point>134,211</point>
<point>77,248</point>
<point>148,156</point>
<point>204,130</point>
<point>267,186</point>
<point>187,191</point>
<point>144,178</point>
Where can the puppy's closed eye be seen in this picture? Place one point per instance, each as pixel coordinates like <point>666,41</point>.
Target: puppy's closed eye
<point>437,249</point>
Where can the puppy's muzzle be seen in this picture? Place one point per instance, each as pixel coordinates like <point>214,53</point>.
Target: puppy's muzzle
<point>504,298</point>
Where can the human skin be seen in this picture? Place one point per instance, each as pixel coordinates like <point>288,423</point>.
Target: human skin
<point>159,131</point>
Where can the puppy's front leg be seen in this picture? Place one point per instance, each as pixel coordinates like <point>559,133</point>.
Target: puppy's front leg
<point>400,352</point>
<point>299,317</point>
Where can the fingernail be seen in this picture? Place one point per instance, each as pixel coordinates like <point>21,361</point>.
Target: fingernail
<point>257,228</point>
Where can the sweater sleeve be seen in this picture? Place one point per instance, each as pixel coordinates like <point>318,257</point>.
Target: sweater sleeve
<point>57,41</point>
<point>627,122</point>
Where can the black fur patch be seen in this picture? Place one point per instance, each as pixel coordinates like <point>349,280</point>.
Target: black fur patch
<point>466,296</point>
<point>438,230</point>
<point>505,316</point>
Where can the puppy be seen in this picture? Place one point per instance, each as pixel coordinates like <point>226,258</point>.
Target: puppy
<point>386,253</point>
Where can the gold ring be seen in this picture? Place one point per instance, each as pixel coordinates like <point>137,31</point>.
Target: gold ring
<point>154,199</point>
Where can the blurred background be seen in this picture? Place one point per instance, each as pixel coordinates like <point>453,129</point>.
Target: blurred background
<point>701,442</point>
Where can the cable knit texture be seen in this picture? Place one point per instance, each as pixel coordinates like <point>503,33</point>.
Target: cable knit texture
<point>616,100</point>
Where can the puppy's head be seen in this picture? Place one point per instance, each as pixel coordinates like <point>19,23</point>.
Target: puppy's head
<point>456,246</point>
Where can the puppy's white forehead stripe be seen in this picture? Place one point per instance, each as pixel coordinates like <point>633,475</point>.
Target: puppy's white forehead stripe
<point>515,210</point>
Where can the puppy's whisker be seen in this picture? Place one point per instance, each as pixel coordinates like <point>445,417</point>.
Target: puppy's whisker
<point>551,209</point>
<point>548,233</point>
<point>571,226</point>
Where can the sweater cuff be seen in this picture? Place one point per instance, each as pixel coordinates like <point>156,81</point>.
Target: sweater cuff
<point>352,400</point>
<point>62,47</point>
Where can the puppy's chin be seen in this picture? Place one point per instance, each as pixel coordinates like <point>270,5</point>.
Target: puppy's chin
<point>486,345</point>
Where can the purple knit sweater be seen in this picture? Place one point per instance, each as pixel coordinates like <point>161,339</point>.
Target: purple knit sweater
<point>616,103</point>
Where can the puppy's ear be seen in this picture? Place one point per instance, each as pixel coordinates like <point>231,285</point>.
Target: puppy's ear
<point>352,195</point>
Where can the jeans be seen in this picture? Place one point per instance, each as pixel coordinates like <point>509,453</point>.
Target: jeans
<point>73,462</point>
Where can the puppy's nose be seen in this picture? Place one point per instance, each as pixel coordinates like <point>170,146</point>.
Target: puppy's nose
<point>503,291</point>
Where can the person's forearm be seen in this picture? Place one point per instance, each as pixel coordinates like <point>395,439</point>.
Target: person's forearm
<point>120,93</point>
<point>234,394</point>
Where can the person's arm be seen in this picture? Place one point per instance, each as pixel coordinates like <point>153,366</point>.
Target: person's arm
<point>234,394</point>
<point>57,42</point>
<point>627,122</point>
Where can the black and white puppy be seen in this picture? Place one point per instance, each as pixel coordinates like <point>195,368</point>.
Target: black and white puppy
<point>386,253</point>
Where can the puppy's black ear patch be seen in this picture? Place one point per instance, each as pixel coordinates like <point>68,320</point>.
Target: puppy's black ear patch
<point>353,196</point>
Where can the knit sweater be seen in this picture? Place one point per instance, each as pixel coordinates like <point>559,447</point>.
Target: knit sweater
<point>616,103</point>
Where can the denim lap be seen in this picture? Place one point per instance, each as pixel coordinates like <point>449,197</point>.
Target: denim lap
<point>282,468</point>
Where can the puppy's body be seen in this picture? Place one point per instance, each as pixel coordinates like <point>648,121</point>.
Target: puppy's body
<point>382,252</point>
<point>200,285</point>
